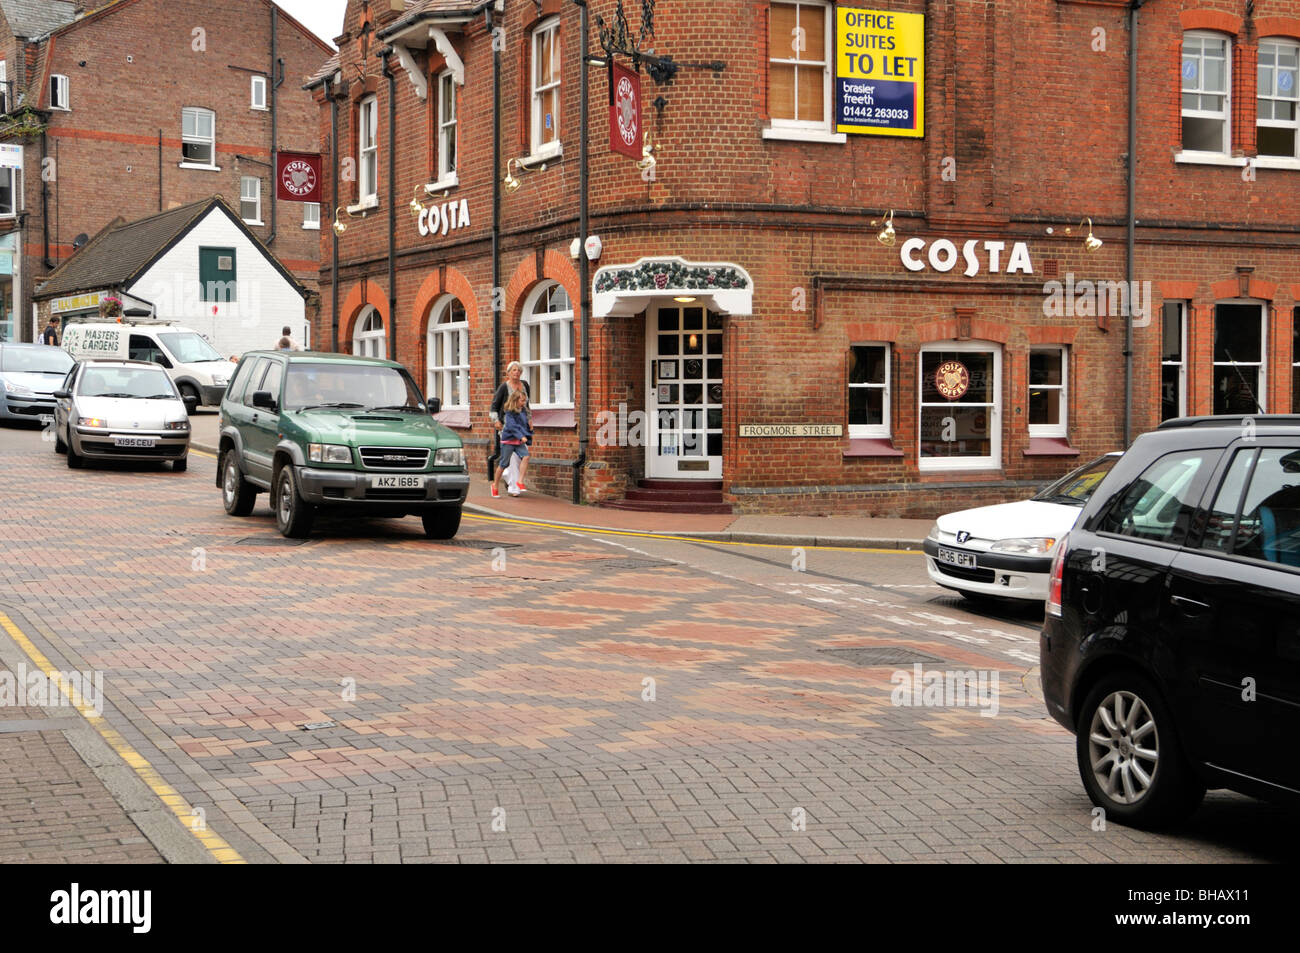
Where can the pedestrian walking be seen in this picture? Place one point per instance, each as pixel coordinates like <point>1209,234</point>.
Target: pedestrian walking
<point>514,381</point>
<point>516,429</point>
<point>51,333</point>
<point>293,343</point>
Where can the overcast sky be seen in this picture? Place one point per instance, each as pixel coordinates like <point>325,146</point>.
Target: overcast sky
<point>322,17</point>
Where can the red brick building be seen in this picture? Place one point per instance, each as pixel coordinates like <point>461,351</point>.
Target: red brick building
<point>131,107</point>
<point>751,323</point>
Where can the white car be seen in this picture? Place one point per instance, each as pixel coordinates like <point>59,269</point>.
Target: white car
<point>1006,550</point>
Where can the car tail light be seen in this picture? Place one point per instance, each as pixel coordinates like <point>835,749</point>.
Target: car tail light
<point>1054,582</point>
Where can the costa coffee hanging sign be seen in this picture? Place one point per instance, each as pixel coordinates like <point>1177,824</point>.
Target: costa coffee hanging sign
<point>297,177</point>
<point>625,112</point>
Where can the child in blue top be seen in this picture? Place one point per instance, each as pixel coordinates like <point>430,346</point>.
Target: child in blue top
<point>515,431</point>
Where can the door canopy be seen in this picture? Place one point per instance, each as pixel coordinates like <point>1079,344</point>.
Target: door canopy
<point>622,290</point>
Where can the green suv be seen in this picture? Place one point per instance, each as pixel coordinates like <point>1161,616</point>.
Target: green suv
<point>339,433</point>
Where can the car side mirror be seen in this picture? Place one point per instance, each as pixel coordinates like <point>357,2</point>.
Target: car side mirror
<point>263,399</point>
<point>63,394</point>
<point>162,359</point>
<point>435,405</point>
<point>191,401</point>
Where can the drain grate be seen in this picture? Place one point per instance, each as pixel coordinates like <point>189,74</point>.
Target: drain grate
<point>476,543</point>
<point>881,655</point>
<point>268,541</point>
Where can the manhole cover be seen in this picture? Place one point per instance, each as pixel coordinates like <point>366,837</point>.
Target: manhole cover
<point>477,544</point>
<point>268,541</point>
<point>615,565</point>
<point>881,655</point>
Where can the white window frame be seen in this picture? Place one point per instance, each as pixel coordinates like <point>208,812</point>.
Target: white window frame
<point>189,139</point>
<point>447,131</point>
<point>802,129</point>
<point>880,430</point>
<point>1261,379</point>
<point>536,118</point>
<point>1181,363</point>
<point>16,182</point>
<point>369,336</point>
<point>4,86</point>
<point>1226,115</point>
<point>256,198</point>
<point>368,151</point>
<point>59,90</point>
<point>454,338</point>
<point>1275,96</point>
<point>1062,427</point>
<point>311,215</point>
<point>540,370</point>
<point>994,460</point>
<point>257,93</point>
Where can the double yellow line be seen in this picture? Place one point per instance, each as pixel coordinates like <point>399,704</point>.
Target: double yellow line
<point>216,846</point>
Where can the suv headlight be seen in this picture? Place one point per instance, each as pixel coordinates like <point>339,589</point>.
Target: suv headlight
<point>1032,546</point>
<point>11,388</point>
<point>449,457</point>
<point>328,453</point>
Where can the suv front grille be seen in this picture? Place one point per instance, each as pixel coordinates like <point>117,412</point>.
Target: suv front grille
<point>394,458</point>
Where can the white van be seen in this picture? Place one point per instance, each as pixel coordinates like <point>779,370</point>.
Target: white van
<point>195,365</point>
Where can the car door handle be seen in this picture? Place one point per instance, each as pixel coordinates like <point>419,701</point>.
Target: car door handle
<point>253,418</point>
<point>1190,606</point>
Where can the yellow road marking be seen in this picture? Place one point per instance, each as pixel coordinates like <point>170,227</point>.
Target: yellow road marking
<point>681,539</point>
<point>203,453</point>
<point>215,845</point>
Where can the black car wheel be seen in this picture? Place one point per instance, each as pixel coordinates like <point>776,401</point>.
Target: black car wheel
<point>1130,757</point>
<point>293,514</point>
<point>59,445</point>
<point>188,391</point>
<point>441,523</point>
<point>180,464</point>
<point>237,494</point>
<point>75,460</point>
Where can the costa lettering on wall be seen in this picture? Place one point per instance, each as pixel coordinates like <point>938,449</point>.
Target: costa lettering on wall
<point>444,218</point>
<point>952,380</point>
<point>625,112</point>
<point>297,177</point>
<point>943,256</point>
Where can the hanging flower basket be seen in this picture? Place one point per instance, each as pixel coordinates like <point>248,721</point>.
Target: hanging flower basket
<point>110,307</point>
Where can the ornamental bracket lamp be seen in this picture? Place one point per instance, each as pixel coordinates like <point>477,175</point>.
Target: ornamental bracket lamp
<point>887,236</point>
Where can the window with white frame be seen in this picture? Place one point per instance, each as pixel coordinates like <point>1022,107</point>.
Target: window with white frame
<point>446,126</point>
<point>4,86</point>
<point>250,199</point>
<point>368,138</point>
<point>546,346</point>
<point>257,93</point>
<point>311,215</point>
<point>799,74</point>
<point>1206,106</point>
<point>198,136</point>
<point>369,339</point>
<point>960,406</point>
<point>1295,360</point>
<point>11,193</point>
<point>448,356</point>
<point>869,390</point>
<point>1049,370</point>
<point>59,92</point>
<point>1173,360</point>
<point>546,88</point>
<point>1278,95</point>
<point>1239,336</point>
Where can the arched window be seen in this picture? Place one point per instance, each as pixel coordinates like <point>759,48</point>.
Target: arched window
<point>448,355</point>
<point>369,339</point>
<point>546,346</point>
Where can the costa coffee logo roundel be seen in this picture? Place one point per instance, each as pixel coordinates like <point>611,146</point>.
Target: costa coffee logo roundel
<point>952,380</point>
<point>625,103</point>
<point>298,177</point>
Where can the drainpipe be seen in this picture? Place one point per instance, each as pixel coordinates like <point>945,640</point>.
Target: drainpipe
<point>334,203</point>
<point>584,277</point>
<point>271,82</point>
<point>160,161</point>
<point>45,203</point>
<point>392,203</point>
<point>496,197</point>
<point>1130,223</point>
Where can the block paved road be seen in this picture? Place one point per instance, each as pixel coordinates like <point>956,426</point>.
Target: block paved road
<point>489,697</point>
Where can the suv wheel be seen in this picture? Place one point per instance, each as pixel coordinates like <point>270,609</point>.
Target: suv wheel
<point>441,523</point>
<point>1130,757</point>
<point>237,494</point>
<point>75,460</point>
<point>293,514</point>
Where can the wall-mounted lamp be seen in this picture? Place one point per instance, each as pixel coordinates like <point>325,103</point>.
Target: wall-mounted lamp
<point>647,160</point>
<point>1091,242</point>
<point>415,206</point>
<point>887,236</point>
<point>510,181</point>
<point>339,225</point>
<point>685,299</point>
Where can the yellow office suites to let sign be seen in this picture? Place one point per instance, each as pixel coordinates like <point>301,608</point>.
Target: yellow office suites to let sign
<point>879,73</point>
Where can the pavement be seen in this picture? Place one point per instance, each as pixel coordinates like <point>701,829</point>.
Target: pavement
<point>857,532</point>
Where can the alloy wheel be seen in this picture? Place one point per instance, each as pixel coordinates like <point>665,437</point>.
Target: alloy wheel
<point>1124,747</point>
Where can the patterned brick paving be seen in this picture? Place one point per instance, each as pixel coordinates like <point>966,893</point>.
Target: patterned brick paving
<point>487,695</point>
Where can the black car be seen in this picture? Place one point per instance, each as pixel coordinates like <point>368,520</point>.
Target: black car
<point>1171,644</point>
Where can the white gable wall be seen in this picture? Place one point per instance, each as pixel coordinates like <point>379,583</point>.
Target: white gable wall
<point>265,300</point>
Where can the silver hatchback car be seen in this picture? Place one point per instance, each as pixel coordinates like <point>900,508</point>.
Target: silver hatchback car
<point>120,410</point>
